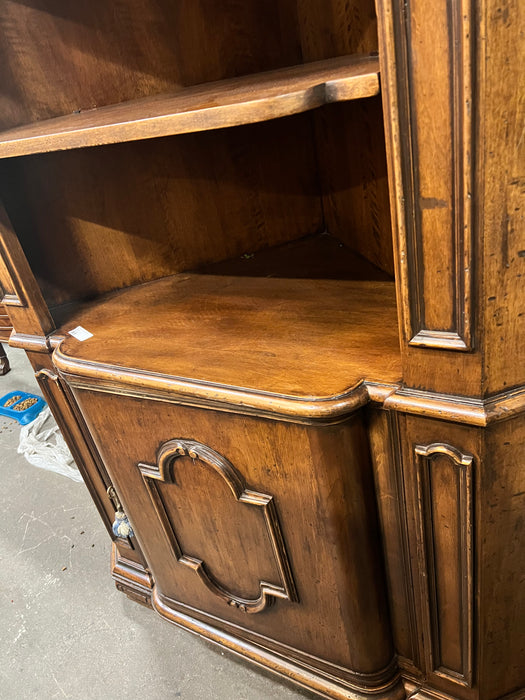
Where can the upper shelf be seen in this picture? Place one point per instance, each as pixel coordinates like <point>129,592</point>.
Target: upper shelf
<point>233,102</point>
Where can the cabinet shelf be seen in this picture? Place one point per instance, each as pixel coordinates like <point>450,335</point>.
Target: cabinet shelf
<point>291,346</point>
<point>226,103</point>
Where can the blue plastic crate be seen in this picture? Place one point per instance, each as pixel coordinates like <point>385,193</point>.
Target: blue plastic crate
<point>26,416</point>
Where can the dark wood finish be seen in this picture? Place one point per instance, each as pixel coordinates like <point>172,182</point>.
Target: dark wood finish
<point>305,381</point>
<point>88,461</point>
<point>194,493</point>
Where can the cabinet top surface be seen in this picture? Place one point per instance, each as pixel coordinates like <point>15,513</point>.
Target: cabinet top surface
<point>302,338</point>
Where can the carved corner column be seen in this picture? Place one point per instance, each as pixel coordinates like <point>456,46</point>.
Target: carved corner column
<point>448,457</point>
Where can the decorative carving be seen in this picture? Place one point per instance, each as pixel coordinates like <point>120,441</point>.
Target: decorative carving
<point>439,531</point>
<point>163,471</point>
<point>437,173</point>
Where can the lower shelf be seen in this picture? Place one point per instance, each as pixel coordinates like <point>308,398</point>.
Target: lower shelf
<point>289,344</point>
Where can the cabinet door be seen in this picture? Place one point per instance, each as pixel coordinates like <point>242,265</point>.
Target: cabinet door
<point>262,528</point>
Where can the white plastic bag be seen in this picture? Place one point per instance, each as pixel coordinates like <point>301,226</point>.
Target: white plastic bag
<point>42,445</point>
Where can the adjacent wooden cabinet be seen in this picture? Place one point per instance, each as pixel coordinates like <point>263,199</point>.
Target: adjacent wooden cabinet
<point>267,262</point>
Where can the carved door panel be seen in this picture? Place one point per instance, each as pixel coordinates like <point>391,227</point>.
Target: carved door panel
<point>265,529</point>
<point>440,464</point>
<point>218,527</point>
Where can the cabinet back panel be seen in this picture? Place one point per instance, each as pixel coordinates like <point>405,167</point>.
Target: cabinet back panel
<point>59,57</point>
<point>125,214</point>
<point>351,154</point>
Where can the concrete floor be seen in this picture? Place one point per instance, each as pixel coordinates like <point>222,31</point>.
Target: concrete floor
<point>65,631</point>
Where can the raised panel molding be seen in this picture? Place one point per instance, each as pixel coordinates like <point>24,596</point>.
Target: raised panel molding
<point>445,554</point>
<point>164,471</point>
<point>436,131</point>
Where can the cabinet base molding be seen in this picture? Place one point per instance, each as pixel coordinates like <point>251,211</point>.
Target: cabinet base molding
<point>131,578</point>
<point>417,692</point>
<point>294,665</point>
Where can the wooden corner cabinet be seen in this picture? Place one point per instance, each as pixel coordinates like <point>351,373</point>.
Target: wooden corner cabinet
<point>267,262</point>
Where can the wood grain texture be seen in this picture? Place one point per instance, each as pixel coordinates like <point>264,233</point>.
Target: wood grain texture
<point>273,327</point>
<point>257,528</point>
<point>217,105</point>
<point>59,57</point>
<point>276,458</point>
<point>433,167</point>
<point>500,519</point>
<point>129,213</point>
<point>441,464</point>
<point>445,539</point>
<point>387,464</point>
<point>80,443</point>
<point>239,285</point>
<point>352,168</point>
<point>460,409</point>
<point>5,324</point>
<point>502,182</point>
<point>131,577</point>
<point>336,28</point>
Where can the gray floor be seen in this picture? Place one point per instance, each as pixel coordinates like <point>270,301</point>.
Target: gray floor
<point>65,631</point>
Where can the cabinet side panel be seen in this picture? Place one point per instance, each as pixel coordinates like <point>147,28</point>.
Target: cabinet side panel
<point>502,207</point>
<point>502,561</point>
<point>84,452</point>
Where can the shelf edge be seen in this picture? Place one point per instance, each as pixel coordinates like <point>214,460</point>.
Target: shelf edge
<point>83,374</point>
<point>60,133</point>
<point>331,409</point>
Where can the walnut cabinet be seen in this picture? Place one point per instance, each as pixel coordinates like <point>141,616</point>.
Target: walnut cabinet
<point>267,262</point>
